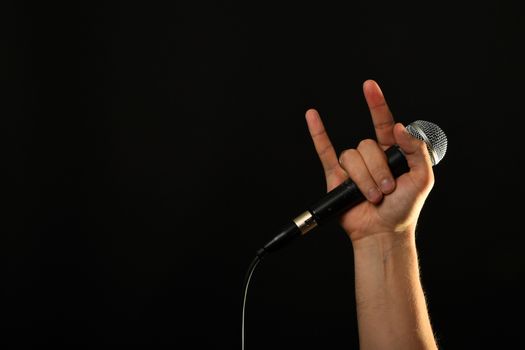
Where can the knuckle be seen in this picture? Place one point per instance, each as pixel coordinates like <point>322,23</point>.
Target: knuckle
<point>421,146</point>
<point>428,180</point>
<point>381,173</point>
<point>423,150</point>
<point>366,143</point>
<point>347,155</point>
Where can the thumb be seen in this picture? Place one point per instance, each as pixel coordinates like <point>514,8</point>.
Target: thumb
<point>416,154</point>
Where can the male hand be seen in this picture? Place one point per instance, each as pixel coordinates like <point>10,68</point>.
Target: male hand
<point>392,206</point>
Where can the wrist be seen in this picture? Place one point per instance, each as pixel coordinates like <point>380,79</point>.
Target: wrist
<point>386,241</point>
<point>389,252</point>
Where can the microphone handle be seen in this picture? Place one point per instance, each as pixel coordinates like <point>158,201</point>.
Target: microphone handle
<point>334,203</point>
<point>347,195</point>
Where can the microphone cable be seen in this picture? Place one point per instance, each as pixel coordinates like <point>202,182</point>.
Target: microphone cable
<point>249,274</point>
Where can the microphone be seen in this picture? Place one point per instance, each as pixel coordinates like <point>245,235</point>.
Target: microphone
<point>347,195</point>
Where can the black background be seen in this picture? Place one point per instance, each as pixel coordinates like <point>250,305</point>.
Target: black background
<point>149,149</point>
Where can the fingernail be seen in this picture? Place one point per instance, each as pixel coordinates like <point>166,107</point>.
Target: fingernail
<point>387,185</point>
<point>374,195</point>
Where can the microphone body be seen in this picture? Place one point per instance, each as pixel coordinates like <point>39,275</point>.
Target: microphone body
<point>334,203</point>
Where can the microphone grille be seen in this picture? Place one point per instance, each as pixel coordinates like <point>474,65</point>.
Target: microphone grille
<point>432,135</point>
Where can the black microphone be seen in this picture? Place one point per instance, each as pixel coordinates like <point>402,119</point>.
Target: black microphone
<point>347,195</point>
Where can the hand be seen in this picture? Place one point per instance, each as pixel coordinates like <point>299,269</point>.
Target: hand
<point>393,205</point>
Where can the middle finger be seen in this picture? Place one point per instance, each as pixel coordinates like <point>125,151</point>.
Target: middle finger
<point>377,164</point>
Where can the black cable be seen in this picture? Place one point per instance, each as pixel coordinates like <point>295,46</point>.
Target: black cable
<point>249,274</point>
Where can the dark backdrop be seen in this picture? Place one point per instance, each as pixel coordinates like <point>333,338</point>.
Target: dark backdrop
<point>149,149</point>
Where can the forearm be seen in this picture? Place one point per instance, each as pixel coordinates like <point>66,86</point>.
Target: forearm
<point>391,307</point>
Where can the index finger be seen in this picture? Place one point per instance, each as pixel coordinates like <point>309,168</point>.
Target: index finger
<point>322,143</point>
<point>381,115</point>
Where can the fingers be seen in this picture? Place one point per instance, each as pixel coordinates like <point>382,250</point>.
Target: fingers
<point>322,143</point>
<point>377,163</point>
<point>416,154</point>
<point>381,115</point>
<point>367,166</point>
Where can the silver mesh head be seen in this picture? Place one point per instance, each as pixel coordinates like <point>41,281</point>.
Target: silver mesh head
<point>434,137</point>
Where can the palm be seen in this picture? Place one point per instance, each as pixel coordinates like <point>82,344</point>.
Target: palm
<point>368,217</point>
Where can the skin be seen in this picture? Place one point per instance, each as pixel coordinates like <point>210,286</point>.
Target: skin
<point>391,307</point>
